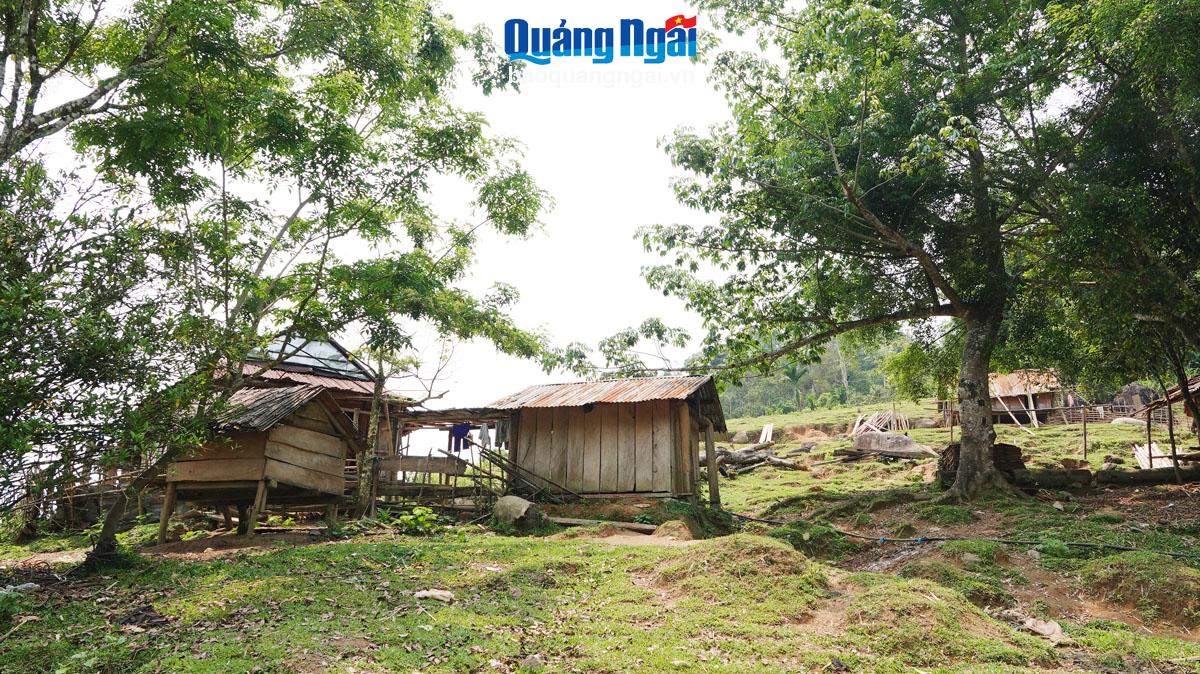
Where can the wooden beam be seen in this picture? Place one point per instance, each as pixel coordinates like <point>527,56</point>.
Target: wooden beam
<point>260,501</point>
<point>710,460</point>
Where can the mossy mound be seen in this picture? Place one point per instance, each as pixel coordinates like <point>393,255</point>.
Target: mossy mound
<point>1160,587</point>
<point>701,520</point>
<point>978,588</point>
<point>922,623</point>
<point>744,570</point>
<point>816,540</point>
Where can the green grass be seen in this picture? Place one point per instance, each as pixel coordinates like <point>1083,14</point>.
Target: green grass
<point>923,623</point>
<point>1160,587</point>
<point>816,540</point>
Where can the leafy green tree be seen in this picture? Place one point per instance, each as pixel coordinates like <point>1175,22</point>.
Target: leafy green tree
<point>273,138</point>
<point>1123,254</point>
<point>886,162</point>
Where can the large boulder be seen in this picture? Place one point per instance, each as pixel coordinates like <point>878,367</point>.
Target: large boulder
<point>742,437</point>
<point>891,444</point>
<point>1135,395</point>
<point>516,512</point>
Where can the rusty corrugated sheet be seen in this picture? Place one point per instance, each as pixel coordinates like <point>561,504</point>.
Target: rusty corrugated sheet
<point>333,383</point>
<point>257,409</point>
<point>1023,382</point>
<point>605,391</point>
<point>702,389</point>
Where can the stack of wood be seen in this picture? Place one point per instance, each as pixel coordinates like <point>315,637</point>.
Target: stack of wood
<point>734,462</point>
<point>879,421</point>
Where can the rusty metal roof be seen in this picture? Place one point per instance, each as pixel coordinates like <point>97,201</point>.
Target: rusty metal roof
<point>335,383</point>
<point>702,388</point>
<point>257,409</point>
<point>1023,382</point>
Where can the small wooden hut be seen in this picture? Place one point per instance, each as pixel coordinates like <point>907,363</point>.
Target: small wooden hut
<point>614,437</point>
<point>286,445</point>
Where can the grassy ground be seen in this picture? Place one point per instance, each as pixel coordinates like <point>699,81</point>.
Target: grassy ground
<point>803,597</point>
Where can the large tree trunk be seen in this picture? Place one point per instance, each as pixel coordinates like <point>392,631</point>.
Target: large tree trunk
<point>976,471</point>
<point>366,453</point>
<point>106,541</point>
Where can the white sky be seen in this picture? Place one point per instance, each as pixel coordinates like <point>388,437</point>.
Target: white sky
<point>591,134</point>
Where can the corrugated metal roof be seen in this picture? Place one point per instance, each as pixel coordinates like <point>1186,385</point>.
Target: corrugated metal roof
<point>257,409</point>
<point>1023,382</point>
<point>334,383</point>
<point>644,389</point>
<point>604,391</point>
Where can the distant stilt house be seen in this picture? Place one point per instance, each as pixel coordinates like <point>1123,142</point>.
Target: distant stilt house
<point>1027,395</point>
<point>622,436</point>
<point>1022,397</point>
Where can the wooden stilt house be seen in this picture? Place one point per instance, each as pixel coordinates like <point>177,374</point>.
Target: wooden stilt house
<point>624,436</point>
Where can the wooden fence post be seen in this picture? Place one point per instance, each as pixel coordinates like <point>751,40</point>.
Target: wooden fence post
<point>710,461</point>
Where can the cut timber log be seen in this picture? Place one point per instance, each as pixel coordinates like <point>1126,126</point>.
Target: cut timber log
<point>754,456</point>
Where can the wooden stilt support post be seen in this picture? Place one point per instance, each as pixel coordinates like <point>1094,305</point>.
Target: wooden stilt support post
<point>710,460</point>
<point>256,508</point>
<point>1083,413</point>
<point>168,506</point>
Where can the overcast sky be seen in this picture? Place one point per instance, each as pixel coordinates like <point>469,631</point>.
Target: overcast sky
<point>591,136</point>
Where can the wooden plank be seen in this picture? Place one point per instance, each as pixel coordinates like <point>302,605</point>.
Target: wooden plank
<point>303,477</point>
<point>544,441</point>
<point>560,418</point>
<point>663,442</point>
<point>710,460</point>
<point>217,470</point>
<point>610,448</point>
<point>526,437</point>
<point>644,448</point>
<point>322,426</point>
<point>575,423</point>
<point>310,440</point>
<point>627,439</point>
<point>591,450</point>
<point>322,463</point>
<point>438,465</point>
<point>682,451</point>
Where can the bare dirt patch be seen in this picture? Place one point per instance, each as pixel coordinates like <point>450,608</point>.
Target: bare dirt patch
<point>221,545</point>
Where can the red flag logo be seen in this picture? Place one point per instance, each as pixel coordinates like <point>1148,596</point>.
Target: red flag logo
<point>680,21</point>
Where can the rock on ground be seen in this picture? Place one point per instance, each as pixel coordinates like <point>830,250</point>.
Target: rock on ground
<point>515,511</point>
<point>892,444</point>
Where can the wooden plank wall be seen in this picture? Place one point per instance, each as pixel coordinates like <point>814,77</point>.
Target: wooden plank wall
<point>306,457</point>
<point>610,448</point>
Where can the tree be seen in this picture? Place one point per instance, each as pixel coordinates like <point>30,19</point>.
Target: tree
<point>887,162</point>
<point>270,139</point>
